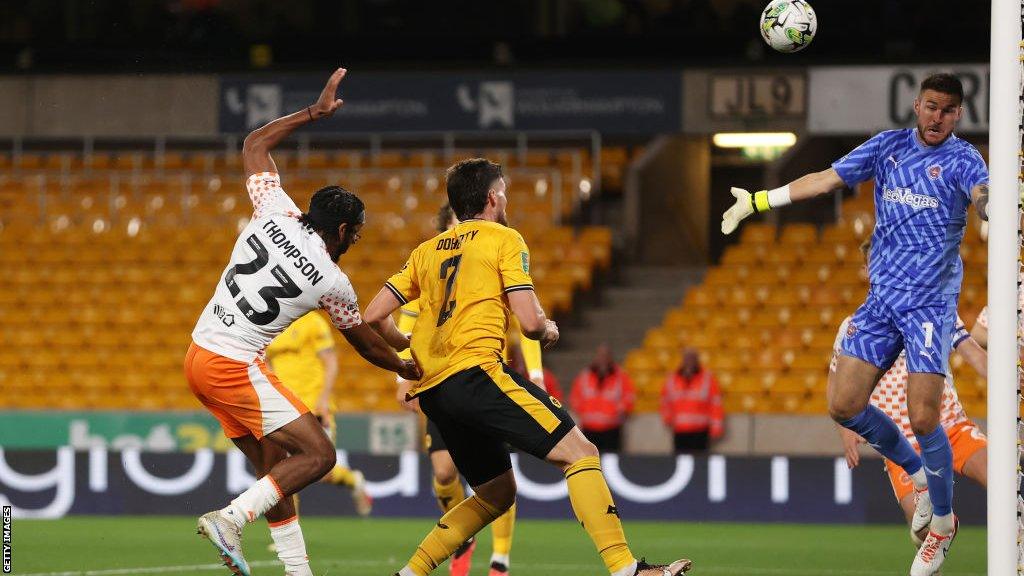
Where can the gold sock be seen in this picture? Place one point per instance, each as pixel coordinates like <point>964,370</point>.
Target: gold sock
<point>451,531</point>
<point>592,502</point>
<point>449,495</point>
<point>501,530</point>
<point>341,476</point>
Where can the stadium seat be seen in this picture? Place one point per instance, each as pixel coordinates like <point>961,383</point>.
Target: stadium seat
<point>757,233</point>
<point>798,234</point>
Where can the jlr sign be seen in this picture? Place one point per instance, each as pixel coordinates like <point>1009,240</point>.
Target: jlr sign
<point>737,96</point>
<point>866,99</point>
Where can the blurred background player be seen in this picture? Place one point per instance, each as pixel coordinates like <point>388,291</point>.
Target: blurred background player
<point>448,486</point>
<point>980,329</point>
<point>468,280</point>
<point>603,397</point>
<point>968,442</point>
<point>691,405</point>
<point>306,361</point>
<point>261,293</point>
<point>925,179</point>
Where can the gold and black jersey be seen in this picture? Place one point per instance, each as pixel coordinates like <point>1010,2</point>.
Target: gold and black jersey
<point>461,278</point>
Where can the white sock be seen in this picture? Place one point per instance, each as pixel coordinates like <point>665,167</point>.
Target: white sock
<point>503,559</point>
<point>406,572</point>
<point>252,503</point>
<point>920,480</point>
<point>291,547</point>
<point>942,524</point>
<point>627,571</point>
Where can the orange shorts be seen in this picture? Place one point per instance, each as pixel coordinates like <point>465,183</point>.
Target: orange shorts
<point>965,438</point>
<point>245,398</point>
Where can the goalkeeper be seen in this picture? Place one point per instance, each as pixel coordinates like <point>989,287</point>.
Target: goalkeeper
<point>925,179</point>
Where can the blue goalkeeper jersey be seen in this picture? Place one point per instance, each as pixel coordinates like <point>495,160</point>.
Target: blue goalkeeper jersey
<point>921,198</point>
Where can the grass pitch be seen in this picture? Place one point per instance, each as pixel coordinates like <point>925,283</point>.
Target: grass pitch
<point>121,546</point>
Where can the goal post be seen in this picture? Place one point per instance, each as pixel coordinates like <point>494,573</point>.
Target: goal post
<point>1005,528</point>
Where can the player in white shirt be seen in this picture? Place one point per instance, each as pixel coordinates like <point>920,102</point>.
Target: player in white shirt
<point>283,265</point>
<point>968,442</point>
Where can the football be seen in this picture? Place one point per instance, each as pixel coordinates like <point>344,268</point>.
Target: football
<point>788,25</point>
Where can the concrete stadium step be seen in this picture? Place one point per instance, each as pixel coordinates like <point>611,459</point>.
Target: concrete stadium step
<point>623,317</point>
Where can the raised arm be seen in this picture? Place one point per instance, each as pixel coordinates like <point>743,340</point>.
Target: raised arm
<point>807,186</point>
<point>258,144</point>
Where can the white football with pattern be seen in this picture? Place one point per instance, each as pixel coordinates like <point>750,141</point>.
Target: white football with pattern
<point>788,25</point>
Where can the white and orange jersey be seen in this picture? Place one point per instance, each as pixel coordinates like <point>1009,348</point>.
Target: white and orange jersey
<point>279,270</point>
<point>890,395</point>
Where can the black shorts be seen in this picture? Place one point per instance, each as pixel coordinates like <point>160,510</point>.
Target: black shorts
<point>432,438</point>
<point>433,441</point>
<point>477,410</point>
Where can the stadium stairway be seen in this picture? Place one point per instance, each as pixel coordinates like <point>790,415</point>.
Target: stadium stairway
<point>626,311</point>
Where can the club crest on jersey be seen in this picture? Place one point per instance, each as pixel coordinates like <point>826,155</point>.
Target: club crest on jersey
<point>934,171</point>
<point>851,329</point>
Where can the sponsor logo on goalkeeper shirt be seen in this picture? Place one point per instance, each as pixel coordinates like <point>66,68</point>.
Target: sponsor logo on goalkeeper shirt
<point>907,197</point>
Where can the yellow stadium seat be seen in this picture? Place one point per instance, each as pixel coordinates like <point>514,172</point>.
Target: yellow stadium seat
<point>702,296</point>
<point>763,276</point>
<point>722,277</point>
<point>704,341</point>
<point>743,255</point>
<point>798,234</point>
<point>28,162</point>
<point>746,384</point>
<point>839,234</point>
<point>642,360</point>
<point>661,338</point>
<point>786,402</point>
<point>847,276</point>
<point>778,258</point>
<point>757,233</point>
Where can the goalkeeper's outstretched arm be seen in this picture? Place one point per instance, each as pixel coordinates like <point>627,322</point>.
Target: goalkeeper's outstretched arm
<point>808,186</point>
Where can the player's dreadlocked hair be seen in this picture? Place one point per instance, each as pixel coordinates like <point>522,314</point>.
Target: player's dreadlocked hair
<point>945,83</point>
<point>444,216</point>
<point>468,182</point>
<point>332,206</point>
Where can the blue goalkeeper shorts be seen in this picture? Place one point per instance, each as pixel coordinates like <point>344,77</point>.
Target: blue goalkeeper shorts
<point>891,320</point>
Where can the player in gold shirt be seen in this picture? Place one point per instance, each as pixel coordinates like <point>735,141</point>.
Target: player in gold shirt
<point>468,280</point>
<point>304,358</point>
<point>448,486</point>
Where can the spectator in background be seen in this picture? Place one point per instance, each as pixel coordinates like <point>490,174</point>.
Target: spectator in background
<point>554,387</point>
<point>602,396</point>
<point>691,405</point>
